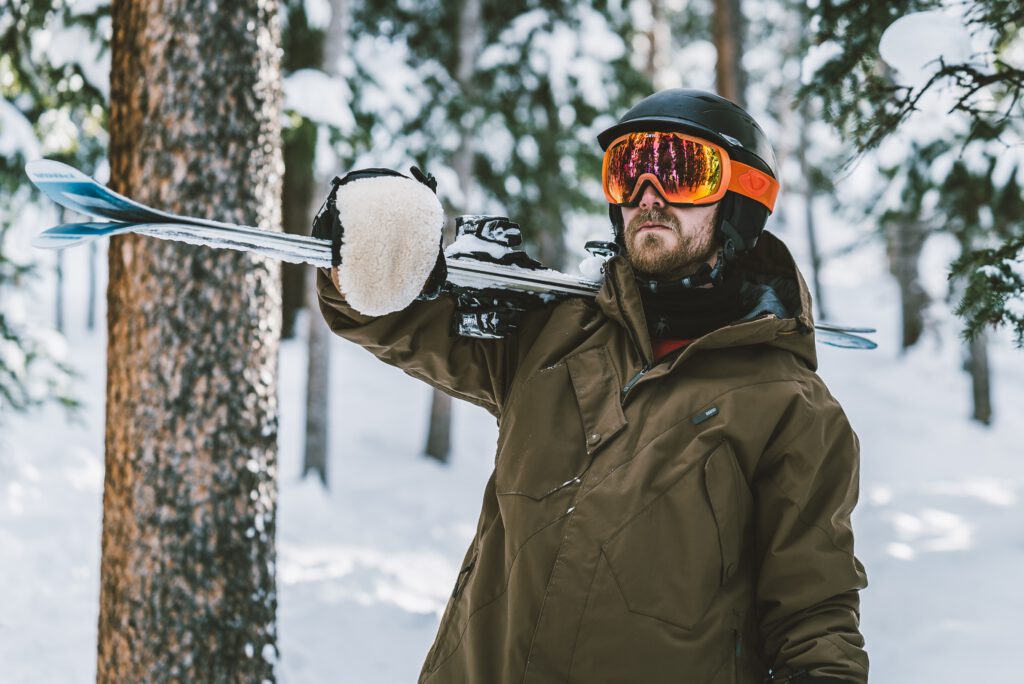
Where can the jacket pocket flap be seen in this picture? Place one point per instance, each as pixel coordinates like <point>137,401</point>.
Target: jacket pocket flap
<point>597,393</point>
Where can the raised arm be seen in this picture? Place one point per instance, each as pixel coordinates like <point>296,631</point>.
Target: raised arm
<point>420,340</point>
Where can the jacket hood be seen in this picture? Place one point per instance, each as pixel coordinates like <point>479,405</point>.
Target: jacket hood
<point>780,315</point>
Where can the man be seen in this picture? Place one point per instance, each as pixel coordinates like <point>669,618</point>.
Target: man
<point>673,484</point>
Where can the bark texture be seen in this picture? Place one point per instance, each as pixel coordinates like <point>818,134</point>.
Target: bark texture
<point>188,567</point>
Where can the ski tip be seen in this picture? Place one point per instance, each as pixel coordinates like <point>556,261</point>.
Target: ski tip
<point>837,327</point>
<point>48,170</point>
<point>73,234</point>
<point>844,340</point>
<point>58,241</point>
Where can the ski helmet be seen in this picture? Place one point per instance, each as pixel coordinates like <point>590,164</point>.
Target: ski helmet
<point>714,118</point>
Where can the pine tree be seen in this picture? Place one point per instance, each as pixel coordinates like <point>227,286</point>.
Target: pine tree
<point>868,107</point>
<point>52,102</point>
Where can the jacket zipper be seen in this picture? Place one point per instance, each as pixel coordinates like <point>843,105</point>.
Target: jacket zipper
<point>635,379</point>
<point>463,579</point>
<point>647,369</point>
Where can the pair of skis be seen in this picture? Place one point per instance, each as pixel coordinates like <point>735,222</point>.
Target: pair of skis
<point>74,190</point>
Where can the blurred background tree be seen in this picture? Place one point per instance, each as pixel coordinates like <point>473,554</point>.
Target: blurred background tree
<point>53,83</point>
<point>954,171</point>
<point>502,102</point>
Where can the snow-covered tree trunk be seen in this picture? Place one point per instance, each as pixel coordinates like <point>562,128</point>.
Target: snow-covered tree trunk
<point>188,565</point>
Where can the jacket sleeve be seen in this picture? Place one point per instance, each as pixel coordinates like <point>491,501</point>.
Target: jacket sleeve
<point>806,487</point>
<point>420,340</point>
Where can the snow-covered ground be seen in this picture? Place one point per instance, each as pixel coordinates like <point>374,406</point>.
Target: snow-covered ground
<point>365,568</point>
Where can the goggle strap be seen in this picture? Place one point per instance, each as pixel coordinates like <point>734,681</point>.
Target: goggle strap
<point>753,183</point>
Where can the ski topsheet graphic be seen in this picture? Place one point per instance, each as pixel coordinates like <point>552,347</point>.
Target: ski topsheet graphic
<point>74,190</point>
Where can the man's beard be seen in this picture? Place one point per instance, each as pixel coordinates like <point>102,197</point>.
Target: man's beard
<point>648,254</point>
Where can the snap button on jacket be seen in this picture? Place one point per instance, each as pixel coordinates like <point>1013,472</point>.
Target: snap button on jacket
<point>684,520</point>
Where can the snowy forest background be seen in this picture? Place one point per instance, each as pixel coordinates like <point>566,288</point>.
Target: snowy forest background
<point>899,133</point>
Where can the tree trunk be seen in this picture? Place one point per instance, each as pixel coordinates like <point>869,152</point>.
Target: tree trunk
<point>551,249</point>
<point>59,313</point>
<point>90,319</point>
<point>975,352</point>
<point>296,198</point>
<point>977,366</point>
<point>318,364</point>
<point>318,392</point>
<point>730,78</point>
<point>904,241</point>
<point>336,43</point>
<point>59,273</point>
<point>188,567</point>
<point>810,192</point>
<point>470,33</point>
<point>439,440</point>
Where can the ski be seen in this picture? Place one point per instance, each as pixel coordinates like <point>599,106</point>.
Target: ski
<point>834,327</point>
<point>463,272</point>
<point>70,188</point>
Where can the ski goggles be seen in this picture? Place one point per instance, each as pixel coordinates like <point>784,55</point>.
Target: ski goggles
<point>683,168</point>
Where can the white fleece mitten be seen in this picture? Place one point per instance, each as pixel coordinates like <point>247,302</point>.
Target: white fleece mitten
<point>390,239</point>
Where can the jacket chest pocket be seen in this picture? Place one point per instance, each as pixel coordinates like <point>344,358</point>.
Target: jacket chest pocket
<point>561,417</point>
<point>670,559</point>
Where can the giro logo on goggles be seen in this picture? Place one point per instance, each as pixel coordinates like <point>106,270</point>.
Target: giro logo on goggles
<point>683,168</point>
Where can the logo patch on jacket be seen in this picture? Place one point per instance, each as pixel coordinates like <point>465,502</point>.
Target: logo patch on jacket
<point>704,415</point>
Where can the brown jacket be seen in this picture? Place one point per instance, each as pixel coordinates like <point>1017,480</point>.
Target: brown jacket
<point>683,521</point>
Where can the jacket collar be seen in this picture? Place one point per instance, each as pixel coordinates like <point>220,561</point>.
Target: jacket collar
<point>769,267</point>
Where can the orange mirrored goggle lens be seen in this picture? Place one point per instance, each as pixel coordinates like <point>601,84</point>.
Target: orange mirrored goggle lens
<point>684,169</point>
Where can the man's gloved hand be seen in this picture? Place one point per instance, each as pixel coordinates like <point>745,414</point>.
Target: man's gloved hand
<point>385,232</point>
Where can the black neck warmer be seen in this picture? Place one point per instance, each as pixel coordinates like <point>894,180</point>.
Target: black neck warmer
<point>693,312</point>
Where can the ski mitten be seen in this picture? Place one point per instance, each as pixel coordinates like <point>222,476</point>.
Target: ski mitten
<point>385,232</point>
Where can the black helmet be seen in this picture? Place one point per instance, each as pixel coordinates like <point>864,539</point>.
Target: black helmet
<point>720,121</point>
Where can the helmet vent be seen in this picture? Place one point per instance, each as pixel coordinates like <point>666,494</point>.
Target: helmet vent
<point>731,139</point>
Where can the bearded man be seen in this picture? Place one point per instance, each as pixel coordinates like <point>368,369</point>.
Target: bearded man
<point>673,482</point>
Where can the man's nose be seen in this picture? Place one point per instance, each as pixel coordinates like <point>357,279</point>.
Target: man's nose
<point>651,198</point>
